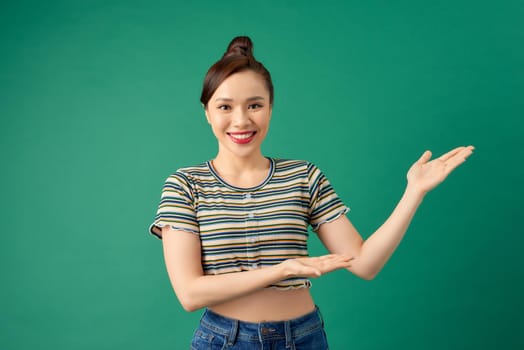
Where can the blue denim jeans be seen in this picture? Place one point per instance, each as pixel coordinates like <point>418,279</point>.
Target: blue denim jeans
<point>221,333</point>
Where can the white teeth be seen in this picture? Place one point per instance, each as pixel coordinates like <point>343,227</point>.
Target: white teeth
<point>242,136</point>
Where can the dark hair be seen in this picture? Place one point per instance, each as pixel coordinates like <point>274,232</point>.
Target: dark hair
<point>238,57</point>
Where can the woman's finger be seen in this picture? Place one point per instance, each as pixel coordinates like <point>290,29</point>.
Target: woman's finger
<point>450,154</point>
<point>458,159</point>
<point>335,264</point>
<point>326,263</point>
<point>425,157</point>
<point>453,152</point>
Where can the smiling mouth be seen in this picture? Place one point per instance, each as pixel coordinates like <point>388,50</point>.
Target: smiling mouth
<point>242,138</point>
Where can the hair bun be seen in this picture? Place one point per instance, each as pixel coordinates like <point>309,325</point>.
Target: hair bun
<point>238,58</point>
<point>241,45</point>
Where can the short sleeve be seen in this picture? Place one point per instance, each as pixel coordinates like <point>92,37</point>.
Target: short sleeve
<point>177,206</point>
<point>324,204</point>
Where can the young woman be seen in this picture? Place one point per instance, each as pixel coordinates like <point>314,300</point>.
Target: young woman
<point>234,229</point>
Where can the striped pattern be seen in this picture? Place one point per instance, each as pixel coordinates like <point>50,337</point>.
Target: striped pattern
<point>247,228</point>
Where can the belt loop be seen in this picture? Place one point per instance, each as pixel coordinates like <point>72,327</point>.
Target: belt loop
<point>204,314</point>
<point>233,333</point>
<point>320,315</point>
<point>289,335</point>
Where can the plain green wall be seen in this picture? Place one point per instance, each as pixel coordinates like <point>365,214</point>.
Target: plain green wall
<point>99,103</point>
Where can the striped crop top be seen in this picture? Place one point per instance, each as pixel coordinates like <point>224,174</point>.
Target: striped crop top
<point>242,229</point>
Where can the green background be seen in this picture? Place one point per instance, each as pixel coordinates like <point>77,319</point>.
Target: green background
<point>99,103</point>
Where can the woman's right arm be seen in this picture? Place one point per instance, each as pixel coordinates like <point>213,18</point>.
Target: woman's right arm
<point>196,290</point>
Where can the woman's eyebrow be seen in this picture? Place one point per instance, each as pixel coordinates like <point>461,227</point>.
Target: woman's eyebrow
<point>226,99</point>
<point>255,98</point>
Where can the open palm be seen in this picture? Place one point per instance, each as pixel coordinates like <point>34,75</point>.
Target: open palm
<point>424,175</point>
<point>316,266</point>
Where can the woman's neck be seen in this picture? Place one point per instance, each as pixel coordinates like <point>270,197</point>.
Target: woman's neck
<point>234,165</point>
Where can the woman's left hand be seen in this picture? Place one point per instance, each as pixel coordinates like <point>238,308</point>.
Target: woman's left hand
<point>424,175</point>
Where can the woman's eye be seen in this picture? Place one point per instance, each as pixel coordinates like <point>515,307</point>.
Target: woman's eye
<point>255,106</point>
<point>224,107</point>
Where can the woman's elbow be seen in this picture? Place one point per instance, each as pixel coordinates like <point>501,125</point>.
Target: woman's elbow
<point>365,274</point>
<point>188,299</point>
<point>193,299</point>
<point>368,276</point>
<point>189,303</point>
<point>190,307</point>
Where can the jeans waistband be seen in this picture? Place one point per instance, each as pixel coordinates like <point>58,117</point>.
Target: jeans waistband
<point>233,329</point>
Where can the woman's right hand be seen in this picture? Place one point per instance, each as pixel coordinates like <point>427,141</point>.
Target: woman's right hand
<point>313,267</point>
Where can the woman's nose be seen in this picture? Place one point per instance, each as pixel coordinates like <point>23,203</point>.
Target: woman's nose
<point>241,117</point>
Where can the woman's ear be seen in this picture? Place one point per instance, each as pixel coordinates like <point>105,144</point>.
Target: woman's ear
<point>205,111</point>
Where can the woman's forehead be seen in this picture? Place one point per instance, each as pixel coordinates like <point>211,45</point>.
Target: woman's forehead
<point>242,86</point>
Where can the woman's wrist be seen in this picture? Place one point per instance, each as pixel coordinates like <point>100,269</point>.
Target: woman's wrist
<point>282,271</point>
<point>414,193</point>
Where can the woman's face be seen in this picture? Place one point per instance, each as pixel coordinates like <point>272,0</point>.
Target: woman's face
<point>239,113</point>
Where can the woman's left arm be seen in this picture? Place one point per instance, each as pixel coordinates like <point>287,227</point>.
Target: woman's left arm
<point>341,237</point>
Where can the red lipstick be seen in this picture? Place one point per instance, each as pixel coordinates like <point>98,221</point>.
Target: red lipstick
<point>242,137</point>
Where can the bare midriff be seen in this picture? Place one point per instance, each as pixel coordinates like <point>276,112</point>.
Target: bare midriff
<point>268,305</point>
